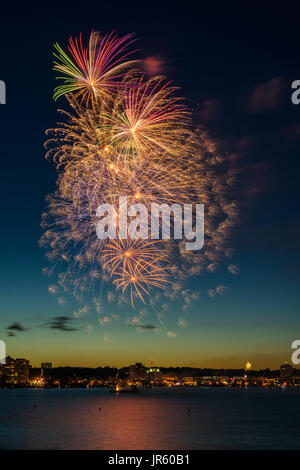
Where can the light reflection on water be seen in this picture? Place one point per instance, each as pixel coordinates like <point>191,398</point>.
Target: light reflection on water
<point>151,419</point>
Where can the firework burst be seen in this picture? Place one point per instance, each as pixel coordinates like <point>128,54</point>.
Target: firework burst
<point>138,265</point>
<point>148,120</point>
<point>128,136</point>
<point>92,73</point>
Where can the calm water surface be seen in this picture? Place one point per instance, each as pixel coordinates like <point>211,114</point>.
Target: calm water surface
<point>152,419</point>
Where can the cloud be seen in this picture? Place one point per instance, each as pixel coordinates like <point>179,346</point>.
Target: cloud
<point>16,327</point>
<point>292,134</point>
<point>267,96</point>
<point>211,110</point>
<point>60,323</point>
<point>233,269</point>
<point>136,322</point>
<point>155,65</point>
<point>147,327</point>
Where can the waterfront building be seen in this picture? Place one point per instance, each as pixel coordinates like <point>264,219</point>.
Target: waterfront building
<point>46,365</point>
<point>15,371</point>
<point>22,370</point>
<point>286,370</point>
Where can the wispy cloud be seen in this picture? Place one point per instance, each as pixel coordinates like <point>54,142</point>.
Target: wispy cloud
<point>267,96</point>
<point>147,327</point>
<point>155,65</point>
<point>60,323</point>
<point>15,328</point>
<point>137,323</point>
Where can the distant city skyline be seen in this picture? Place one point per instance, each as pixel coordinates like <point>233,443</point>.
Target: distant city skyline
<point>18,372</point>
<point>215,363</point>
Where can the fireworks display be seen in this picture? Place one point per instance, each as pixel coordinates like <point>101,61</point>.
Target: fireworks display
<point>92,72</point>
<point>125,135</point>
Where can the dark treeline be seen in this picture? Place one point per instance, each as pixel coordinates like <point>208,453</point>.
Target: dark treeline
<point>209,372</point>
<point>78,372</point>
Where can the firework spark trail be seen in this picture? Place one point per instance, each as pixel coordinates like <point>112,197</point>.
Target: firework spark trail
<point>92,72</point>
<point>136,264</point>
<point>147,120</point>
<point>131,253</point>
<point>127,136</point>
